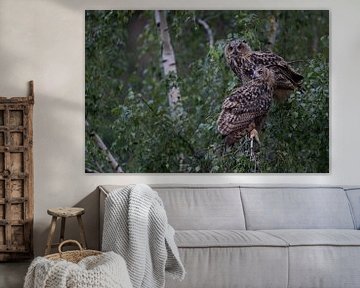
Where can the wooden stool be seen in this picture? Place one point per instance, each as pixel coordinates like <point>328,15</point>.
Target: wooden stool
<point>64,213</point>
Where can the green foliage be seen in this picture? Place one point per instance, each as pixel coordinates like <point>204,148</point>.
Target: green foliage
<point>126,92</point>
<point>297,132</point>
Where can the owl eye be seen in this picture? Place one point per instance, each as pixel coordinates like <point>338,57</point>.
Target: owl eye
<point>231,48</point>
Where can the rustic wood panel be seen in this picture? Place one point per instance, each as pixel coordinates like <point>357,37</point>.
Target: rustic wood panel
<point>16,177</point>
<point>16,139</point>
<point>2,189</point>
<point>17,187</point>
<point>2,211</point>
<point>16,118</point>
<point>2,117</point>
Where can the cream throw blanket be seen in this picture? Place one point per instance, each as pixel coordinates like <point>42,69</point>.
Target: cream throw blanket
<point>136,227</point>
<point>103,271</point>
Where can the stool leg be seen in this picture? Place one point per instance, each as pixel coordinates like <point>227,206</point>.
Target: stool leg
<point>51,235</point>
<point>82,232</point>
<point>62,231</point>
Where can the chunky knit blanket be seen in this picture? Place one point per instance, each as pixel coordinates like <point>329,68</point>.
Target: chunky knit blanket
<point>136,227</point>
<point>103,271</point>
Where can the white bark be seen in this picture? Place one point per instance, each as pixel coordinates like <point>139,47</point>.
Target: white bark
<point>167,56</point>
<point>208,30</point>
<point>273,29</point>
<point>98,141</point>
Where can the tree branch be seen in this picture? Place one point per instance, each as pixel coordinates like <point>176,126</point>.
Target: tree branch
<point>208,30</point>
<point>89,170</point>
<point>167,57</point>
<point>98,141</point>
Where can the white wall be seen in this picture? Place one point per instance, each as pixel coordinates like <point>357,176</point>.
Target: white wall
<point>43,40</point>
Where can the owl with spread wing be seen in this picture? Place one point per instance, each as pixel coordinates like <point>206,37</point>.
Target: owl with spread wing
<point>244,111</point>
<point>243,61</point>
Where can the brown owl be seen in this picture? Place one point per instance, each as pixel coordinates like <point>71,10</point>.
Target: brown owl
<point>246,108</point>
<point>243,61</point>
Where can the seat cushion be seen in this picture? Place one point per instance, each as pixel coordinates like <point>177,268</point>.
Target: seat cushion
<point>322,258</point>
<point>225,238</point>
<point>215,267</point>
<point>317,237</point>
<point>231,258</point>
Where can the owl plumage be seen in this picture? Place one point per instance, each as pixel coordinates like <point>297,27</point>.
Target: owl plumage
<point>247,106</point>
<point>243,61</point>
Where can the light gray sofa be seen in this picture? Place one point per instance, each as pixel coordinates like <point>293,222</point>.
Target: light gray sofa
<point>240,236</point>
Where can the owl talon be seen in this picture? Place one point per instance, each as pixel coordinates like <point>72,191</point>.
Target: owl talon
<point>254,134</point>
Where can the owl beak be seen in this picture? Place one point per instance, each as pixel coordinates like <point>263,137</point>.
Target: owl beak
<point>252,75</point>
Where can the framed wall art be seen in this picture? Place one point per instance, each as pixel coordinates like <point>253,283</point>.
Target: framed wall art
<point>234,91</point>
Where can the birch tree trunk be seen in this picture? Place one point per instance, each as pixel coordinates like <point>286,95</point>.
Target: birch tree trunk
<point>168,58</point>
<point>100,143</point>
<point>272,29</point>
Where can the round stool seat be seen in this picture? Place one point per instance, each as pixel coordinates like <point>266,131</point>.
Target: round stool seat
<point>66,211</point>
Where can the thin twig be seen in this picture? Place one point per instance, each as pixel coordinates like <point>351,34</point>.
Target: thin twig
<point>89,170</point>
<point>297,61</point>
<point>99,166</point>
<point>208,30</point>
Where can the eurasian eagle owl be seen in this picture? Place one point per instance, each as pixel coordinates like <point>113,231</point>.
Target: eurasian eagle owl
<point>243,61</point>
<point>247,106</point>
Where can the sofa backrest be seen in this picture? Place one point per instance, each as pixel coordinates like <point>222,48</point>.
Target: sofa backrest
<point>214,207</point>
<point>296,208</point>
<point>202,207</point>
<point>354,198</point>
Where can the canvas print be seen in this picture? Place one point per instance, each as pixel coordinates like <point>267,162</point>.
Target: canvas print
<point>207,91</point>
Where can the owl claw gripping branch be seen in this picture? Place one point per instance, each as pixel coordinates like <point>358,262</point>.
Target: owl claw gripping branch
<point>265,76</point>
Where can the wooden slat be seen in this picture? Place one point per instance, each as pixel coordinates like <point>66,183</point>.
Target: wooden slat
<point>15,100</point>
<point>13,200</point>
<point>13,248</point>
<point>17,149</point>
<point>9,222</point>
<point>30,168</point>
<point>13,128</point>
<point>8,237</point>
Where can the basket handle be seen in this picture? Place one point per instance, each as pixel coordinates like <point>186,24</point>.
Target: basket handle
<point>69,241</point>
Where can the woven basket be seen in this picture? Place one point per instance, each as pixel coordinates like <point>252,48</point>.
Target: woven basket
<point>72,256</point>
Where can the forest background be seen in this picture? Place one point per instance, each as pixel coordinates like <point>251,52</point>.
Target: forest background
<point>133,127</point>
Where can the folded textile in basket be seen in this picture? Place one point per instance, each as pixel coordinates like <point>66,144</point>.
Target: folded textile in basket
<point>136,227</point>
<point>107,270</point>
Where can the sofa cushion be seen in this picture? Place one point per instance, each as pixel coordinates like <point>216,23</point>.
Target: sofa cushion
<point>317,237</point>
<point>296,208</point>
<point>203,208</point>
<point>354,198</point>
<point>322,258</point>
<point>324,266</point>
<point>226,238</point>
<point>220,267</point>
<point>191,207</point>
